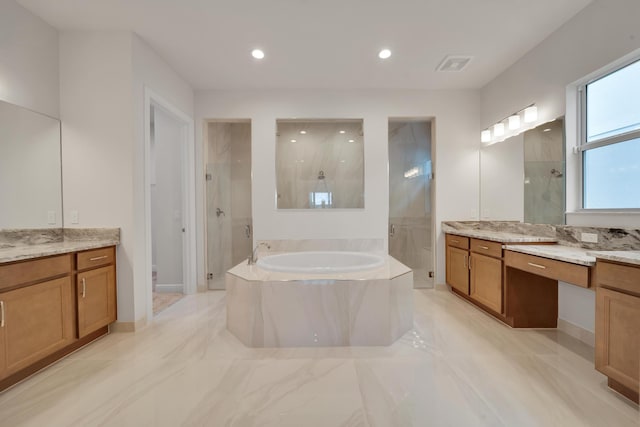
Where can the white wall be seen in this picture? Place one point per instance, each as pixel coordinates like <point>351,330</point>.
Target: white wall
<point>601,33</point>
<point>456,156</point>
<point>102,80</point>
<point>28,60</point>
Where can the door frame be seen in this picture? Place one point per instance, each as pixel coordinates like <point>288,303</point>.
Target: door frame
<point>152,98</point>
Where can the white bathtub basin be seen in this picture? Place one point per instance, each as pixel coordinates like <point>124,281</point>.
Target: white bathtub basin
<point>325,262</point>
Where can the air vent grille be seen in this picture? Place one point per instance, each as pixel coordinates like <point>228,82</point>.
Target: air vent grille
<point>454,63</point>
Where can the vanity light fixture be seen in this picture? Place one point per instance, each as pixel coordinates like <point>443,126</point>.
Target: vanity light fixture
<point>257,53</point>
<point>514,122</point>
<point>384,54</point>
<point>530,114</point>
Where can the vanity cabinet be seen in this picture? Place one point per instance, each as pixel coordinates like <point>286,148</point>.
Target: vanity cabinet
<point>51,306</point>
<point>457,260</point>
<point>618,326</point>
<point>96,290</point>
<point>486,281</point>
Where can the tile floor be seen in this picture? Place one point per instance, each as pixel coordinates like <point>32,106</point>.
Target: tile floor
<point>162,300</point>
<point>458,367</point>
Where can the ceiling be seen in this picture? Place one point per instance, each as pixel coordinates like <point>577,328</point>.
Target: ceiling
<point>327,43</point>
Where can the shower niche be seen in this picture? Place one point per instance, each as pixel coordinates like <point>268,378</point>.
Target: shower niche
<point>319,164</point>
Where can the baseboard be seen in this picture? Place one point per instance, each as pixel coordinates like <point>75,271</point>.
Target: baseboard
<point>175,289</point>
<point>128,326</point>
<point>442,287</point>
<point>577,332</point>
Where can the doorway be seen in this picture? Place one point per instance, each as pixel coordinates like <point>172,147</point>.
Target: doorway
<point>228,196</point>
<point>169,201</point>
<point>410,197</point>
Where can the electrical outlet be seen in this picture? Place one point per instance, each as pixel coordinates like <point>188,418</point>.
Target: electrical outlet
<point>51,217</point>
<point>589,237</point>
<point>73,217</point>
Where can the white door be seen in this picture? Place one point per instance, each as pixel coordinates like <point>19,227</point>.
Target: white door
<point>167,201</point>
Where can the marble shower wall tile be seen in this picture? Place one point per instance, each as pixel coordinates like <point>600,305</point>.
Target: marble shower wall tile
<point>353,245</point>
<point>322,148</point>
<point>25,236</point>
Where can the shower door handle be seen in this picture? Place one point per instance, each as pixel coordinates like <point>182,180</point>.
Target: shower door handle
<point>392,230</point>
<point>247,231</point>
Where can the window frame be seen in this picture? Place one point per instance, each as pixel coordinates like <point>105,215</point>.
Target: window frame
<point>585,146</point>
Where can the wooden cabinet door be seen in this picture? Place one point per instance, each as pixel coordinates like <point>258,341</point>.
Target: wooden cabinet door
<point>38,320</point>
<point>457,269</point>
<point>618,337</point>
<point>486,281</point>
<point>96,299</point>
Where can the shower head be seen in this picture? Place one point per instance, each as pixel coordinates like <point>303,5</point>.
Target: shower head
<point>556,173</point>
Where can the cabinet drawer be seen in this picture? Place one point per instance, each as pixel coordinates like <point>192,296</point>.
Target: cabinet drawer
<point>550,268</point>
<point>34,270</point>
<point>96,258</point>
<point>486,247</point>
<point>616,276</point>
<point>457,241</point>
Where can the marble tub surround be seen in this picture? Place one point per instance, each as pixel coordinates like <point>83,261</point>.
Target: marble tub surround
<point>627,257</point>
<point>351,245</point>
<point>319,312</point>
<point>74,241</point>
<point>558,252</point>
<point>495,232</point>
<point>390,269</point>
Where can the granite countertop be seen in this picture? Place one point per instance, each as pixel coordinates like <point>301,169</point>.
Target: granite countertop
<point>498,236</point>
<point>629,257</point>
<point>23,252</point>
<point>557,252</point>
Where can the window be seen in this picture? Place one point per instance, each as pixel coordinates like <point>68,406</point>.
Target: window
<point>611,140</point>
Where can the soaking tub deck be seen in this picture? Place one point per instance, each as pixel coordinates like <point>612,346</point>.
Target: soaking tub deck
<point>373,307</point>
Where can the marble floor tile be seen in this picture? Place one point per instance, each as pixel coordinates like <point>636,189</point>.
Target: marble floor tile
<point>457,367</point>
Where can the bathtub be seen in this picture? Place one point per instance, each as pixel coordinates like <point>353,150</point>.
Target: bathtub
<point>320,298</point>
<point>321,262</point>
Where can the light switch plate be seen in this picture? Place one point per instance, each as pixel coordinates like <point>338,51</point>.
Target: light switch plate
<point>73,217</point>
<point>589,237</point>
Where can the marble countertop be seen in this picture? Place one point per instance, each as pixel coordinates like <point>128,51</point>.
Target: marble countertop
<point>23,252</point>
<point>498,236</point>
<point>557,252</point>
<point>629,257</point>
<point>392,268</point>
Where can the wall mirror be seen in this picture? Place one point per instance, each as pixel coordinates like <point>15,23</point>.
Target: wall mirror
<point>30,169</point>
<point>522,178</point>
<point>320,164</point>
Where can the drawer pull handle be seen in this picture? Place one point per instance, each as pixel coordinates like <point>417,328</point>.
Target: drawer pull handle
<point>536,265</point>
<point>1,314</point>
<point>84,287</point>
<point>455,241</point>
<point>97,258</point>
<point>486,248</point>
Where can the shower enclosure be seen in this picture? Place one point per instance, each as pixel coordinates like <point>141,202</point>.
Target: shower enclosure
<point>410,187</point>
<point>228,188</point>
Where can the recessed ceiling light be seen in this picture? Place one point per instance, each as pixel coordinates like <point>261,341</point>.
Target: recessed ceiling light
<point>384,54</point>
<point>546,130</point>
<point>303,132</point>
<point>342,131</point>
<point>294,140</point>
<point>351,140</point>
<point>257,53</point>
